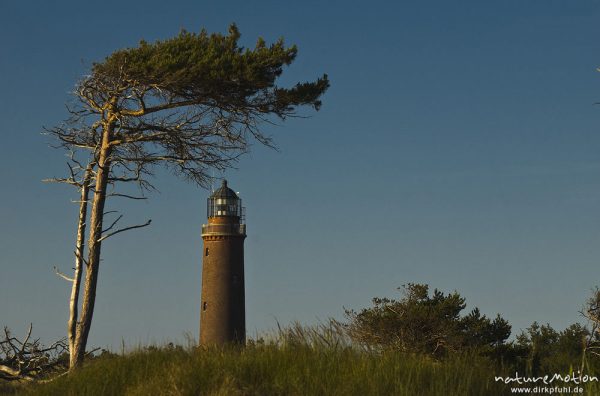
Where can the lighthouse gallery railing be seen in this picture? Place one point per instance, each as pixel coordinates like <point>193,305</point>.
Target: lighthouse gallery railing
<point>224,229</point>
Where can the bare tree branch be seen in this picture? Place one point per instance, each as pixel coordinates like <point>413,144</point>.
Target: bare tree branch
<point>124,229</point>
<point>28,360</point>
<point>65,277</point>
<point>125,196</point>
<point>113,224</point>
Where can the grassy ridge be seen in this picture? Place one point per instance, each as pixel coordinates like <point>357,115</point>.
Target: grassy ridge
<point>273,370</point>
<point>296,360</point>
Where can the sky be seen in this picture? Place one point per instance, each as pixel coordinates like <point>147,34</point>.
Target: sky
<point>458,146</point>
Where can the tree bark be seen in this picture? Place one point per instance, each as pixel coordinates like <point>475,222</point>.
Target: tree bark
<point>94,247</point>
<point>79,251</point>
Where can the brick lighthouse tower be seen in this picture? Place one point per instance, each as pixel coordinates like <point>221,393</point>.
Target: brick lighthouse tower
<point>222,310</point>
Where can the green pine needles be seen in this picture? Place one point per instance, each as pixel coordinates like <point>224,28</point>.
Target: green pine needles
<point>212,69</point>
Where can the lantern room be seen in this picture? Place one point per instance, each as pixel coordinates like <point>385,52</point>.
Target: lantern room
<point>224,202</point>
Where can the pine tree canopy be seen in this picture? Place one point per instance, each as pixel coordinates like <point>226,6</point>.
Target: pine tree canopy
<point>193,102</point>
<point>212,70</point>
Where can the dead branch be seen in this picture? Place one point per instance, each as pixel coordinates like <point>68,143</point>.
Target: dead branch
<point>124,229</point>
<point>113,224</point>
<point>28,360</point>
<point>90,353</point>
<point>125,196</point>
<point>62,275</point>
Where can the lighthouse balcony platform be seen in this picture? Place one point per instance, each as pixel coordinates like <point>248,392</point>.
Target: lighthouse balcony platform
<point>223,229</point>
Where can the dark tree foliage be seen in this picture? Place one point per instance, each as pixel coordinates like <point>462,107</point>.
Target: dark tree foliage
<point>424,323</point>
<point>591,312</point>
<point>480,330</point>
<point>214,70</point>
<point>432,324</point>
<point>540,349</point>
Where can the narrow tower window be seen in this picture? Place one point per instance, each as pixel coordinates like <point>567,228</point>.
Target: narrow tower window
<point>206,252</point>
<point>204,304</point>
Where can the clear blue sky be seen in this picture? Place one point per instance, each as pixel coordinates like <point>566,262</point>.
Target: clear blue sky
<point>458,146</point>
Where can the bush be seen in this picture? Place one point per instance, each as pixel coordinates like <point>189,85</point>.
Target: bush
<point>420,323</point>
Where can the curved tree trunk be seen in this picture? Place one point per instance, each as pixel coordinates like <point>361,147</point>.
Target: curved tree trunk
<point>79,251</point>
<point>94,247</point>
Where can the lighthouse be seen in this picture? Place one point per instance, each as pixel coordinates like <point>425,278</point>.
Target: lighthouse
<point>222,308</point>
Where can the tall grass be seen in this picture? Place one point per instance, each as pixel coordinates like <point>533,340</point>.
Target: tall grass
<point>296,360</point>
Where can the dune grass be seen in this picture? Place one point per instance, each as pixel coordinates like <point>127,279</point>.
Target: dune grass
<point>293,361</point>
<point>272,370</point>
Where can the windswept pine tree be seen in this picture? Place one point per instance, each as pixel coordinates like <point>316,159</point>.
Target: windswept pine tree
<point>191,103</point>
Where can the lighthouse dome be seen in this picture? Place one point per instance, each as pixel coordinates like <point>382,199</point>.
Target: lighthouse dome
<point>224,192</point>
<point>224,202</point>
